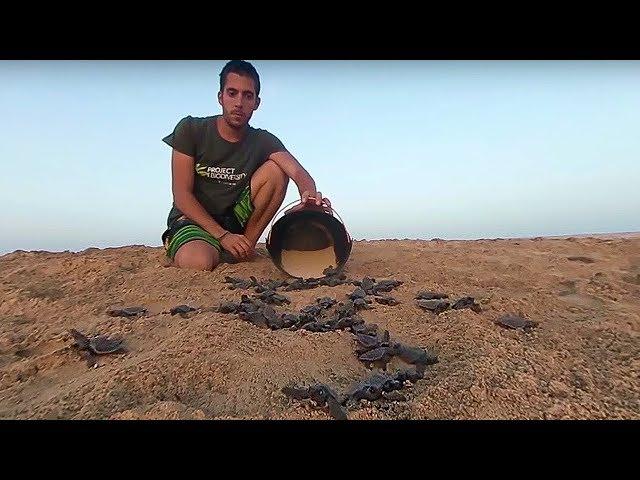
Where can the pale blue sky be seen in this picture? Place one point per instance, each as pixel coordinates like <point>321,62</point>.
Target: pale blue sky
<point>421,149</point>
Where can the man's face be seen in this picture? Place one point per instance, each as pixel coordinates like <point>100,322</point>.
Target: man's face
<point>238,100</point>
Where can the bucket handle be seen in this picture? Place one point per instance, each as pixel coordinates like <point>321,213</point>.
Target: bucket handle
<point>300,201</point>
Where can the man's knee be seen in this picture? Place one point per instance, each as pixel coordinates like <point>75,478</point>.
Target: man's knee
<point>270,173</point>
<point>197,255</point>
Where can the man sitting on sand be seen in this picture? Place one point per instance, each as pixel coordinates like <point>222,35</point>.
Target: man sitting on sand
<point>228,178</point>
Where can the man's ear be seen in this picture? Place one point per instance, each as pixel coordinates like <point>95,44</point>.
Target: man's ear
<point>257,104</point>
<point>220,98</point>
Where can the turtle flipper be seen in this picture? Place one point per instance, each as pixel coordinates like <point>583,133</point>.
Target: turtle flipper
<point>336,410</point>
<point>90,358</point>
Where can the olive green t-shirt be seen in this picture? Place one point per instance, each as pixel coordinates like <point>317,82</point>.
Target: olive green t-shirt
<point>222,169</point>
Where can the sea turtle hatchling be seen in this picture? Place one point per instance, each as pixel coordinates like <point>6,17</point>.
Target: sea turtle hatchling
<point>435,306</point>
<point>385,286</point>
<point>181,310</point>
<point>357,293</point>
<point>515,321</point>
<point>126,312</point>
<point>326,302</point>
<point>379,356</point>
<point>270,296</point>
<point>97,345</point>
<point>414,355</point>
<point>373,388</point>
<point>467,302</point>
<point>362,304</point>
<point>365,328</point>
<point>425,295</point>
<point>386,300</point>
<point>321,395</point>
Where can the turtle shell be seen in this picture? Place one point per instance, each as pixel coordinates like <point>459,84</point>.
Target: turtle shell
<point>102,344</point>
<point>424,295</point>
<point>376,354</point>
<point>515,321</point>
<point>181,309</point>
<point>357,293</point>
<point>127,312</point>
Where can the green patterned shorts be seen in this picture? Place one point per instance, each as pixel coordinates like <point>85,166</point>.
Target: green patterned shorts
<point>185,230</point>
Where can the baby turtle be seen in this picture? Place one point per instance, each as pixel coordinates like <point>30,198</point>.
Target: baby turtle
<point>289,320</point>
<point>250,305</point>
<point>332,278</point>
<point>302,284</point>
<point>229,307</point>
<point>367,342</point>
<point>331,281</point>
<point>330,271</point>
<point>515,321</point>
<point>414,355</point>
<point>257,318</point>
<point>270,296</point>
<point>385,286</point>
<point>182,310</point>
<point>424,295</point>
<point>320,394</point>
<point>348,322</point>
<point>269,285</point>
<point>127,312</point>
<point>97,345</point>
<point>366,284</point>
<point>313,310</point>
<point>361,304</point>
<point>372,388</point>
<point>379,356</point>
<point>357,293</point>
<point>435,306</point>
<point>346,309</point>
<point>317,326</point>
<point>467,302</point>
<point>412,374</point>
<point>326,302</point>
<point>241,284</point>
<point>366,328</point>
<point>386,300</point>
<point>273,321</point>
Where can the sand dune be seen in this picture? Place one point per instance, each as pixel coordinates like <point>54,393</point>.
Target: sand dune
<point>581,361</point>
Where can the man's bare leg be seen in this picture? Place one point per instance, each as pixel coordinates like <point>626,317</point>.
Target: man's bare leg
<point>268,189</point>
<point>197,255</point>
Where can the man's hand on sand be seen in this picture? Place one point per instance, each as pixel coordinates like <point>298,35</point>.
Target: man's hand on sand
<point>237,245</point>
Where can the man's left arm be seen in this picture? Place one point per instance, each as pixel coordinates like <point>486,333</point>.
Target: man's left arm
<point>296,172</point>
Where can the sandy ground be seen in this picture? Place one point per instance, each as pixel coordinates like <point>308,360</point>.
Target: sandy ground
<point>581,362</point>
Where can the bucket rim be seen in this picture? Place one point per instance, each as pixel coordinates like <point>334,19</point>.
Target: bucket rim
<point>330,210</point>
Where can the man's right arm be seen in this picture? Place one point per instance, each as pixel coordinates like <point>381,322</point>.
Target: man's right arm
<point>183,177</point>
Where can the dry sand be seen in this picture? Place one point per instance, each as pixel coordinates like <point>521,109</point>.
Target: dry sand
<point>309,264</point>
<point>582,361</point>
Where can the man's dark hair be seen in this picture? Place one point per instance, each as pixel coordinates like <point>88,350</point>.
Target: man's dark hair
<point>242,68</point>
